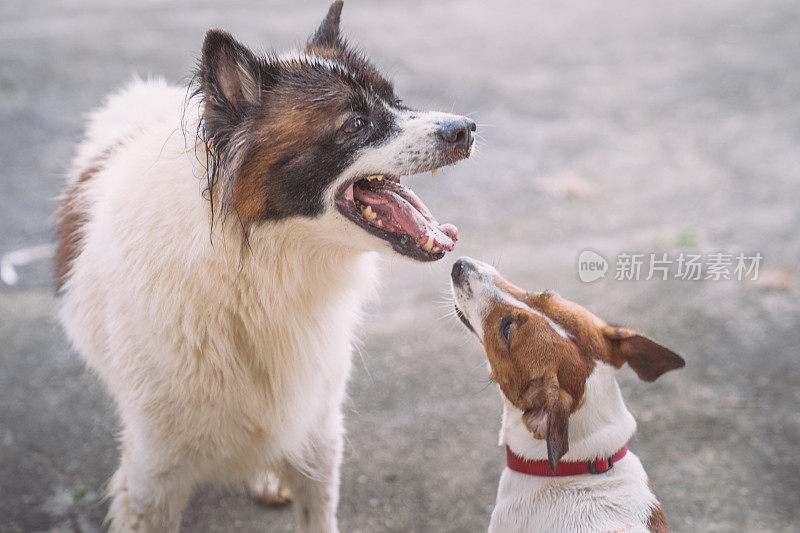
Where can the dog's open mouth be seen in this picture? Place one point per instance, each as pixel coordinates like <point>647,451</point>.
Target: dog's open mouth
<point>391,211</point>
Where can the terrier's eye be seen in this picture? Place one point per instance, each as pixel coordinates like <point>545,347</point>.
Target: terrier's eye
<point>505,329</point>
<point>398,101</point>
<point>354,125</point>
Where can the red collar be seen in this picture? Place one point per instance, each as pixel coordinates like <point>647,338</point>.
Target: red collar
<point>564,468</point>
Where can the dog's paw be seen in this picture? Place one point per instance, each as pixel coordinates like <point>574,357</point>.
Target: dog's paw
<point>269,489</point>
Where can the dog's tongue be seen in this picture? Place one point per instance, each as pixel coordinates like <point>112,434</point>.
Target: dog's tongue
<point>401,210</point>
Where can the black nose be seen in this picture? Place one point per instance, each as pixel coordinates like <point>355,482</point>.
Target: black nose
<point>458,133</point>
<point>459,268</point>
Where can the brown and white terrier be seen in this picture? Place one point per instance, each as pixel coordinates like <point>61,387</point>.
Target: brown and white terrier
<point>565,425</point>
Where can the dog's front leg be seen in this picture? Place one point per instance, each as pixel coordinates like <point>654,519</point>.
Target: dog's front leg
<point>147,497</point>
<point>314,479</point>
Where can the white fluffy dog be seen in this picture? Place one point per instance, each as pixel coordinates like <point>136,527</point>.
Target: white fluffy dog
<point>211,263</point>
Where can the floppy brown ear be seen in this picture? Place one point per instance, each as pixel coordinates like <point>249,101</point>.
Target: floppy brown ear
<point>646,357</point>
<point>551,422</point>
<point>328,32</point>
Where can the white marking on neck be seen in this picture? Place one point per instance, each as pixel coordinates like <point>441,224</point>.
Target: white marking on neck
<point>599,428</point>
<point>618,500</point>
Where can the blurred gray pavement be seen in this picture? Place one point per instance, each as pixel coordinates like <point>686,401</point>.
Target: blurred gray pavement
<point>616,126</point>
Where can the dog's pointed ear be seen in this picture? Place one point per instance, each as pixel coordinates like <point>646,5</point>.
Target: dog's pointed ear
<point>551,422</point>
<point>231,77</point>
<point>328,32</point>
<point>646,357</point>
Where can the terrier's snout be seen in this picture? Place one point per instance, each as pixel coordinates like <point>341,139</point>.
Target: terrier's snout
<point>460,270</point>
<point>457,134</point>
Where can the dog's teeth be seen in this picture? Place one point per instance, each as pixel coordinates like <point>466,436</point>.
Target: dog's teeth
<point>436,250</point>
<point>433,172</point>
<point>379,223</point>
<point>368,213</point>
<point>428,246</point>
<point>375,177</point>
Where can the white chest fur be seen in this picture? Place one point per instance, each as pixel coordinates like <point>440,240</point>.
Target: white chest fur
<point>234,351</point>
<point>618,500</point>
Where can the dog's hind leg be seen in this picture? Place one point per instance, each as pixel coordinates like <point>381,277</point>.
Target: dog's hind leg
<point>314,481</point>
<point>147,498</point>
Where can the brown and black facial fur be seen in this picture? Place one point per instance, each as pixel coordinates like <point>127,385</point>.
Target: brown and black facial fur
<point>275,127</point>
<point>328,43</point>
<point>540,371</point>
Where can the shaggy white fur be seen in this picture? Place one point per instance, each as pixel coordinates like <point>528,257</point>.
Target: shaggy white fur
<point>225,360</point>
<point>618,500</point>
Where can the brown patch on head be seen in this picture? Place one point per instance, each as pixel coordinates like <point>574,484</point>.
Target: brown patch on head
<point>544,378</point>
<point>527,370</point>
<point>289,135</point>
<point>71,216</point>
<point>273,127</point>
<point>657,523</point>
<point>598,340</point>
<point>542,372</point>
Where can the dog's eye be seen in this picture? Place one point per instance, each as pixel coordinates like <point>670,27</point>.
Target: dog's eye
<point>505,329</point>
<point>398,101</point>
<point>354,125</point>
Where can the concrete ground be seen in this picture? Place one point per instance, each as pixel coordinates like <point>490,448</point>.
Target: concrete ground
<point>616,126</point>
